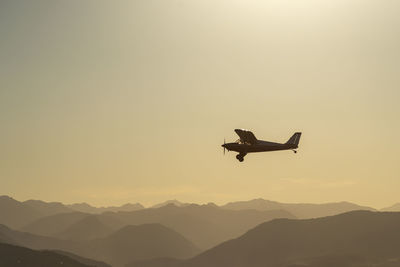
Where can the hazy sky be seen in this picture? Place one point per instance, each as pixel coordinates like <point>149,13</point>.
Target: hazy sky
<point>129,101</point>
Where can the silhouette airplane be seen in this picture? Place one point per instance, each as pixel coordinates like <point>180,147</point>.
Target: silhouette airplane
<point>248,143</point>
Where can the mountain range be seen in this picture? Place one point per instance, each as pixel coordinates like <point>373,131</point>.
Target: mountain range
<point>174,234</point>
<point>358,238</point>
<point>204,225</point>
<point>17,214</point>
<point>130,243</point>
<point>300,210</point>
<point>23,213</point>
<point>172,201</point>
<point>20,213</point>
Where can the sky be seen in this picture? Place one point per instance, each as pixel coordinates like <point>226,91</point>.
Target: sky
<point>109,102</point>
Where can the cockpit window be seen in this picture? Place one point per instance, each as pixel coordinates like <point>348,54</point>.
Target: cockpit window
<point>239,141</point>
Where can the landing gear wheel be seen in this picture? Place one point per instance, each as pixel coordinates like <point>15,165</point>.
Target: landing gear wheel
<point>239,158</point>
<point>295,151</point>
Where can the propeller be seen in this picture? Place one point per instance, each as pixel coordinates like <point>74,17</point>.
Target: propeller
<point>224,146</point>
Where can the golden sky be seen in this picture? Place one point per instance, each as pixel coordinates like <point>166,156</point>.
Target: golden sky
<point>129,101</point>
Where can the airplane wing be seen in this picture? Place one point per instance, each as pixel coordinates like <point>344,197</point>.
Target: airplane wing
<point>246,136</point>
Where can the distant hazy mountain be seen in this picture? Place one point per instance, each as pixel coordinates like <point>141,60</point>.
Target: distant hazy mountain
<point>128,244</point>
<point>300,210</point>
<point>358,238</point>
<point>205,225</point>
<point>19,214</point>
<point>148,241</point>
<point>36,241</point>
<point>89,227</point>
<point>32,241</point>
<point>55,224</point>
<point>47,208</point>
<point>13,256</point>
<point>172,201</point>
<point>395,207</point>
<point>84,207</point>
<point>75,225</point>
<point>16,214</point>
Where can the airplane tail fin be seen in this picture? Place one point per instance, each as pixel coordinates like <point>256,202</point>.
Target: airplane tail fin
<point>295,139</point>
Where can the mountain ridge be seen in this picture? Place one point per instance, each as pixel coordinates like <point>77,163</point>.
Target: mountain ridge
<point>12,255</point>
<point>125,245</point>
<point>300,210</point>
<point>364,236</point>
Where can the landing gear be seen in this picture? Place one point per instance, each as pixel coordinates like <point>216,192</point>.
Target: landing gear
<point>295,151</point>
<point>240,157</point>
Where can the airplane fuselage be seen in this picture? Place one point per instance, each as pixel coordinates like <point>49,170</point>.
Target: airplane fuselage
<point>260,146</point>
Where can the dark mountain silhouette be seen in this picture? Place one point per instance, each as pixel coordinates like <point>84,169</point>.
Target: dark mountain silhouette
<point>358,238</point>
<point>12,256</point>
<point>158,262</point>
<point>172,201</point>
<point>395,207</point>
<point>86,208</point>
<point>301,210</point>
<point>205,225</point>
<point>4,237</point>
<point>346,260</point>
<point>133,243</point>
<point>83,260</point>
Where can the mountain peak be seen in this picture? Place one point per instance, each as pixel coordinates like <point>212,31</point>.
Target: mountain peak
<point>300,210</point>
<point>172,201</point>
<point>85,207</point>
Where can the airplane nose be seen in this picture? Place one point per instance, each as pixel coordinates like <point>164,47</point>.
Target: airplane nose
<point>224,146</point>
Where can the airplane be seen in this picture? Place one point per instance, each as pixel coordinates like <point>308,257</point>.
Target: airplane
<point>248,143</point>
